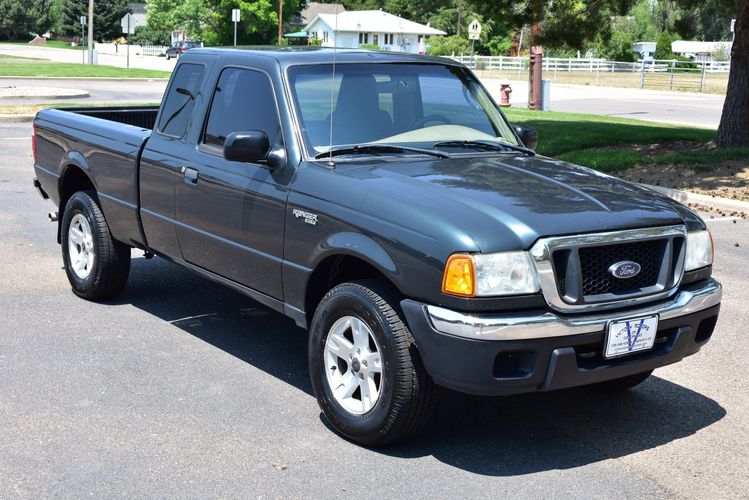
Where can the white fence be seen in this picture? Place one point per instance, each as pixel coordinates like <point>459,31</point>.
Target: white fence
<point>558,64</point>
<point>135,50</point>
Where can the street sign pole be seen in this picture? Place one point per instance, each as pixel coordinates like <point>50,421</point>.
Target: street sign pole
<point>128,40</point>
<point>474,33</point>
<point>235,19</point>
<point>90,31</point>
<point>83,37</point>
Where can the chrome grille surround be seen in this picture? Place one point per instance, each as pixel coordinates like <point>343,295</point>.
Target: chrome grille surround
<point>671,272</point>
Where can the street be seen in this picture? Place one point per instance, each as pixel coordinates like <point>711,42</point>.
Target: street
<point>183,388</point>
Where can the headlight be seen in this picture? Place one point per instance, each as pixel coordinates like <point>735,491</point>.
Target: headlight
<point>486,275</point>
<point>699,250</point>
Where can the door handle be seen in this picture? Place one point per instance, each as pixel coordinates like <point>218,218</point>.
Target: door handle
<point>191,175</point>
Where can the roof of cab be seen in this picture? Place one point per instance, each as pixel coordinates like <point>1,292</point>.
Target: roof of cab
<point>289,56</point>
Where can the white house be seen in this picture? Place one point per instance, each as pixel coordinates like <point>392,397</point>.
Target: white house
<point>353,28</point>
<point>700,51</point>
<point>644,50</point>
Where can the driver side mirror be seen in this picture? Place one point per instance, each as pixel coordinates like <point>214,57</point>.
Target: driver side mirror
<point>528,136</point>
<point>248,147</point>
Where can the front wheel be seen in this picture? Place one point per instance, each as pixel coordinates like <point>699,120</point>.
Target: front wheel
<point>364,366</point>
<point>96,264</point>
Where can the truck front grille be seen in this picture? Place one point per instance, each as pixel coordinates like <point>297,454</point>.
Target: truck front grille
<point>596,261</point>
<point>575,270</point>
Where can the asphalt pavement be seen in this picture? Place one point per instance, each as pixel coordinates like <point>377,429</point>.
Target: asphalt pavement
<point>101,90</point>
<point>183,388</point>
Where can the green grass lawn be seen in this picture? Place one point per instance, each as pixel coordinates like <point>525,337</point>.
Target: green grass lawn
<point>55,44</point>
<point>573,137</point>
<point>52,69</point>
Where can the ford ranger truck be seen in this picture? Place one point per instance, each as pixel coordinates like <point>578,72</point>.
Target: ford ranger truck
<point>385,203</point>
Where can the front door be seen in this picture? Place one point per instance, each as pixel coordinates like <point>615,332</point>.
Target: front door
<point>230,214</point>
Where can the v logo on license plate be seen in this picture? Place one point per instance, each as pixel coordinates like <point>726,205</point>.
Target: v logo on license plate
<point>631,341</point>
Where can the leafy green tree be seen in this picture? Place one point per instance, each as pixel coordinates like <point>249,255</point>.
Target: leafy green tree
<point>448,45</point>
<point>145,35</point>
<point>107,16</point>
<point>188,15</point>
<point>21,19</point>
<point>663,46</point>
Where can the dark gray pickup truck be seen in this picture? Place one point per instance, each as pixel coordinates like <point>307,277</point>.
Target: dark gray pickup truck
<point>385,204</point>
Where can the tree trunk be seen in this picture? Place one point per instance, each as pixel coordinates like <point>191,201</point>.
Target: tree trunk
<point>734,122</point>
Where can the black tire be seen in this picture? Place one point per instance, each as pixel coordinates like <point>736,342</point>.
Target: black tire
<point>622,384</point>
<point>406,390</point>
<point>111,263</point>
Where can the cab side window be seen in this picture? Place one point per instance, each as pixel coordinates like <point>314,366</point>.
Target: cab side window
<point>177,107</point>
<point>243,101</point>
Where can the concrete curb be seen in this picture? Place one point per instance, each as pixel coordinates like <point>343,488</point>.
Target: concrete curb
<point>16,118</point>
<point>79,95</point>
<point>701,199</point>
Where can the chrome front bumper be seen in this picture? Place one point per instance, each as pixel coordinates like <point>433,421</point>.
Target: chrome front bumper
<point>541,324</point>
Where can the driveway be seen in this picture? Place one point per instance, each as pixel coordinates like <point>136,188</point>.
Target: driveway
<point>181,387</point>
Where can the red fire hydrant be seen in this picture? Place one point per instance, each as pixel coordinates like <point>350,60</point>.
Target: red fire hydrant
<point>504,94</point>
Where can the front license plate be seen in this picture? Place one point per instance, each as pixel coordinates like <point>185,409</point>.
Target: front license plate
<point>630,336</point>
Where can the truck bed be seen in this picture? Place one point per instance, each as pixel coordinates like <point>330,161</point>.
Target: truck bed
<point>137,116</point>
<point>107,144</point>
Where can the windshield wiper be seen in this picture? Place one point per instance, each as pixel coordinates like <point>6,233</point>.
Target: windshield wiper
<point>190,98</point>
<point>379,148</point>
<point>485,145</point>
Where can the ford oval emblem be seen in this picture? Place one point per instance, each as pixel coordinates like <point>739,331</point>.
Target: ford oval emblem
<point>625,269</point>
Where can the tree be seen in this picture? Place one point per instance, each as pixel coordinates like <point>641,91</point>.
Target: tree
<point>144,35</point>
<point>107,16</point>
<point>448,45</point>
<point>663,46</point>
<point>21,19</point>
<point>188,15</point>
<point>734,122</point>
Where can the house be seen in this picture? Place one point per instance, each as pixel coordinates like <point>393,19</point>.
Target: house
<point>312,9</point>
<point>137,16</point>
<point>354,28</point>
<point>701,51</point>
<point>644,50</point>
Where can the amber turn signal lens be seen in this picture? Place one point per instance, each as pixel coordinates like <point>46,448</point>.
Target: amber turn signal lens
<point>459,278</point>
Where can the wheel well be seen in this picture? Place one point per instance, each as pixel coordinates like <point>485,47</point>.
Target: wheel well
<point>73,180</point>
<point>333,271</point>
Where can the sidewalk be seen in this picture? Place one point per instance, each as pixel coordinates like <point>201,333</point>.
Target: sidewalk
<point>76,56</point>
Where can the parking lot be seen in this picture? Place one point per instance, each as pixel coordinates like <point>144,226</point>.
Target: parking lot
<point>181,387</point>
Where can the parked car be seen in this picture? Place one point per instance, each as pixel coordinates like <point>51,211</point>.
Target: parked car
<point>178,48</point>
<point>385,204</point>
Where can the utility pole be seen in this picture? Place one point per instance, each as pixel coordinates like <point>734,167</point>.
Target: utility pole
<point>457,28</point>
<point>280,21</point>
<point>91,31</point>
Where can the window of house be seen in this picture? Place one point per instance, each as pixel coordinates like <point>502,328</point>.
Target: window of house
<point>243,101</point>
<point>325,37</point>
<point>177,107</point>
<point>363,37</point>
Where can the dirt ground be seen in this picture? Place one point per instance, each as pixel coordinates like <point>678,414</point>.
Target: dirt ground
<point>724,179</point>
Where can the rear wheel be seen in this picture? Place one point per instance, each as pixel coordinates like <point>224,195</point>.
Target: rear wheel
<point>365,369</point>
<point>97,265</point>
<point>622,384</point>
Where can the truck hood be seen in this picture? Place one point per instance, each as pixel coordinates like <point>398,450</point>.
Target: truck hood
<point>506,202</point>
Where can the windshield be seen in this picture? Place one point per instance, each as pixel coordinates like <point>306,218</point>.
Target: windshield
<point>415,105</point>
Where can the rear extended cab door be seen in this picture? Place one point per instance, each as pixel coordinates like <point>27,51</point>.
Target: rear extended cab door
<point>166,152</point>
<point>231,215</point>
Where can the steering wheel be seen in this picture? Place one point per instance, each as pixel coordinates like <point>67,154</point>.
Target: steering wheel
<point>432,118</point>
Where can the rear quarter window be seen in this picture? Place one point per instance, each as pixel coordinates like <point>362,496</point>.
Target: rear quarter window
<point>177,107</point>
